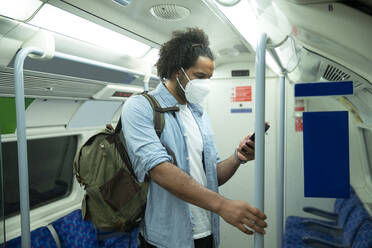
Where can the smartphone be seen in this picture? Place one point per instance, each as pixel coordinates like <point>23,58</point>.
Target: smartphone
<point>267,126</point>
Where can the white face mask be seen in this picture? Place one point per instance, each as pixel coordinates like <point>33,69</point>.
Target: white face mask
<point>196,90</point>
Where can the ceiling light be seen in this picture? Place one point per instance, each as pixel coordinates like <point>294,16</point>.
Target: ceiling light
<point>243,18</point>
<point>122,2</point>
<point>228,2</point>
<point>63,22</point>
<point>19,9</point>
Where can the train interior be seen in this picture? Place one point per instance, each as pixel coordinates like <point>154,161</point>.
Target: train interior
<point>95,54</point>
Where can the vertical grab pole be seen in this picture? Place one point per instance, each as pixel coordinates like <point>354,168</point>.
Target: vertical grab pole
<point>281,162</point>
<point>260,132</point>
<point>22,143</point>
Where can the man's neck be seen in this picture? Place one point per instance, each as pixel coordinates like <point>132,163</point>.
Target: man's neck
<point>172,88</point>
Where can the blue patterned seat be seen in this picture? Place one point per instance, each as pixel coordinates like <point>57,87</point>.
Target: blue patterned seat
<point>296,230</point>
<point>125,240</point>
<point>73,231</point>
<point>356,218</point>
<point>297,237</point>
<point>301,227</point>
<point>363,238</point>
<point>40,238</point>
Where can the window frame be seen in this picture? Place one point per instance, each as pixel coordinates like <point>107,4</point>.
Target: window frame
<point>45,214</point>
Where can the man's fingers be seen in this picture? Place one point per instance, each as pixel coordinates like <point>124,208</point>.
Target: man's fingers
<point>253,225</point>
<point>257,212</point>
<point>250,143</point>
<point>246,149</point>
<point>244,229</point>
<point>256,220</point>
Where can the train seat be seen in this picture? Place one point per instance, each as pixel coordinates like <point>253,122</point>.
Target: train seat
<point>346,236</point>
<point>40,238</point>
<point>117,240</point>
<point>363,237</point>
<point>320,228</point>
<point>73,231</point>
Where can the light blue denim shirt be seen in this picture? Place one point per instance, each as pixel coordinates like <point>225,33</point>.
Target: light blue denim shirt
<point>168,222</point>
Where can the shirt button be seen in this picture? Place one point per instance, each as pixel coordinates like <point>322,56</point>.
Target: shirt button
<point>187,158</point>
<point>185,134</point>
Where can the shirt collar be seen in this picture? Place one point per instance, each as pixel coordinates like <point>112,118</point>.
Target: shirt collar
<point>170,101</point>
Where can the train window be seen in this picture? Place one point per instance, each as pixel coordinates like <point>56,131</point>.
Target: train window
<point>50,162</point>
<point>368,142</point>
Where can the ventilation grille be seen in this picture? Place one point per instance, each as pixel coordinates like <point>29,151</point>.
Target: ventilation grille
<point>50,85</point>
<point>169,12</point>
<point>334,74</point>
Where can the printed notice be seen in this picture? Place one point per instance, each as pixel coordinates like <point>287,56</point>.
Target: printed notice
<point>241,94</point>
<point>241,99</point>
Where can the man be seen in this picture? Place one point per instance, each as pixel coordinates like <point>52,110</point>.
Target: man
<point>183,204</point>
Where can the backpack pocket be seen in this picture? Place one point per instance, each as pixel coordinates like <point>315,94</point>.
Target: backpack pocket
<point>119,190</point>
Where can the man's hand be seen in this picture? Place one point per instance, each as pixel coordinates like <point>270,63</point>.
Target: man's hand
<point>246,149</point>
<point>243,216</point>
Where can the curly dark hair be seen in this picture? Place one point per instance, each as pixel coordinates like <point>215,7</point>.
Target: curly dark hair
<point>182,50</point>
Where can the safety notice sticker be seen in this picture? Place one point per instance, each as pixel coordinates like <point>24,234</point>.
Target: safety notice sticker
<point>241,99</point>
<point>241,94</point>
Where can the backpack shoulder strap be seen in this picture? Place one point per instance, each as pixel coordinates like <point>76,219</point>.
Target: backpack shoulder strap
<point>159,120</point>
<point>158,113</point>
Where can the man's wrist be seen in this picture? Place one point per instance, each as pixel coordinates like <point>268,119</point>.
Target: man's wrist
<point>236,157</point>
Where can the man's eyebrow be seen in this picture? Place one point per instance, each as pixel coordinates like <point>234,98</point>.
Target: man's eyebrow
<point>200,74</point>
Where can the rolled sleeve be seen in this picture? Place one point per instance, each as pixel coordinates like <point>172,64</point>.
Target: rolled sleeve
<point>144,147</point>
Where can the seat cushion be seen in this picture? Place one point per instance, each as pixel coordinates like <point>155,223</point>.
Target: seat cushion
<point>295,231</point>
<point>127,240</point>
<point>73,231</point>
<point>40,238</point>
<point>354,221</point>
<point>364,236</point>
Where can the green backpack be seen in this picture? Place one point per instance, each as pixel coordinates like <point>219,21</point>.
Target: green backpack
<point>115,200</point>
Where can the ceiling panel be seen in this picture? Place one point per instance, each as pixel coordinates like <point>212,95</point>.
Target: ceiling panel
<point>136,21</point>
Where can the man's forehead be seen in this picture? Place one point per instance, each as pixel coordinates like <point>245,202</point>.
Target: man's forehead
<point>203,65</point>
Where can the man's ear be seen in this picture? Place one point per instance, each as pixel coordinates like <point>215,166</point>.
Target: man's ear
<point>177,74</point>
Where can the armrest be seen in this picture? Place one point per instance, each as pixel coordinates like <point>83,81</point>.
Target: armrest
<point>320,243</point>
<point>321,213</point>
<point>323,227</point>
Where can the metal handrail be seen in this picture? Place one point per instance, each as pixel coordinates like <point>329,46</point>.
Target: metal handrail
<point>280,209</point>
<point>22,142</point>
<point>260,133</point>
<point>280,190</point>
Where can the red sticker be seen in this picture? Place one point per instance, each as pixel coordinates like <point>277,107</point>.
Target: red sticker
<point>242,94</point>
<point>299,124</point>
<point>300,108</point>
